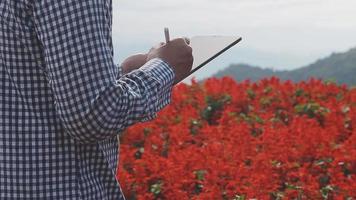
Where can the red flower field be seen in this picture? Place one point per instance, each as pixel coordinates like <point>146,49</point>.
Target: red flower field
<point>235,141</point>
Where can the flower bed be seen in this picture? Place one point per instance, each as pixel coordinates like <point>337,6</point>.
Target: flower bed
<point>228,140</point>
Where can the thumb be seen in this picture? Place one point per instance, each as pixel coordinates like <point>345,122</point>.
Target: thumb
<point>187,40</point>
<point>157,46</point>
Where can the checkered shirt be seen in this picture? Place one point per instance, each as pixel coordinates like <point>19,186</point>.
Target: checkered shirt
<point>63,101</point>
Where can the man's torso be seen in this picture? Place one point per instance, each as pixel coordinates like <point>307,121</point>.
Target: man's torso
<point>39,160</point>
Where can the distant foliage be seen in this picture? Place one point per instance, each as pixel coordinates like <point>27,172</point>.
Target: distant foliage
<point>236,141</point>
<point>338,67</point>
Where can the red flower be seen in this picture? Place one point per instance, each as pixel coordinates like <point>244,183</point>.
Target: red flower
<point>228,140</point>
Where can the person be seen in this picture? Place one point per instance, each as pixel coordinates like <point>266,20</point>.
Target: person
<point>64,102</point>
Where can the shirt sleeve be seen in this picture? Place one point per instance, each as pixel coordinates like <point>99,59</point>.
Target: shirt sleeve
<point>90,100</point>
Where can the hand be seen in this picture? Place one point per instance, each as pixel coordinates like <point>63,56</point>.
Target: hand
<point>133,62</point>
<point>178,54</point>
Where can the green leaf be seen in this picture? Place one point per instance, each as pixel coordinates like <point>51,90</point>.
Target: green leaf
<point>200,174</point>
<point>195,125</point>
<point>299,92</point>
<point>325,191</point>
<point>251,94</point>
<point>258,119</point>
<point>156,188</point>
<point>292,187</point>
<point>147,131</point>
<point>311,109</point>
<point>268,89</point>
<point>239,197</point>
<point>214,105</point>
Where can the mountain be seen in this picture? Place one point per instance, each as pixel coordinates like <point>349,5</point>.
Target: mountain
<point>340,67</point>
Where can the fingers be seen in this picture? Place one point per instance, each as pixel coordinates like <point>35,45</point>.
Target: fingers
<point>159,45</point>
<point>182,40</point>
<point>187,40</point>
<point>188,49</point>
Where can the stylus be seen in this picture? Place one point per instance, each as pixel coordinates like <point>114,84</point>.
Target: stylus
<point>166,34</point>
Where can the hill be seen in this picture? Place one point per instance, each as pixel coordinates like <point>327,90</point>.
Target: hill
<point>340,67</point>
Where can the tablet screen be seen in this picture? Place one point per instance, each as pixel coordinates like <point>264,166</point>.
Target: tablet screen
<point>207,48</point>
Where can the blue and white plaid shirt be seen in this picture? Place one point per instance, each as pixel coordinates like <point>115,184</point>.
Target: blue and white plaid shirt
<point>63,101</point>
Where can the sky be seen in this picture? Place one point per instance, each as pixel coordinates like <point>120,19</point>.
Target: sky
<point>278,34</point>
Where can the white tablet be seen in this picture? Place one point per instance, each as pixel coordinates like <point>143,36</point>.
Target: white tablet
<point>207,48</point>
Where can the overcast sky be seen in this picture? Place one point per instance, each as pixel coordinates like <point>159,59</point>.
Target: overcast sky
<point>280,34</point>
